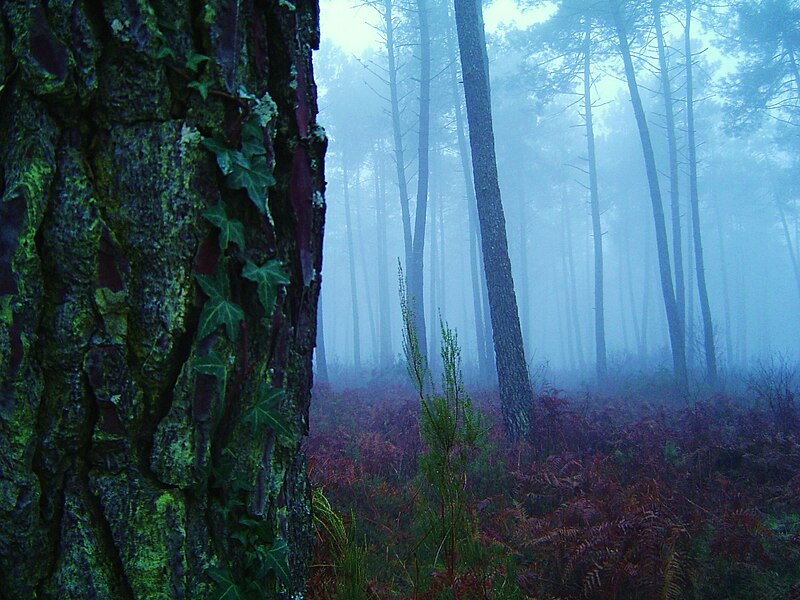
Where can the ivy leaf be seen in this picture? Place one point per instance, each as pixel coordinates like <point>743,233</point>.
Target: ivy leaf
<point>202,88</point>
<point>194,60</point>
<point>251,173</point>
<point>230,230</point>
<point>164,52</point>
<point>267,413</point>
<point>213,364</point>
<point>267,278</point>
<point>222,152</point>
<point>218,309</point>
<point>277,559</point>
<point>252,138</point>
<point>228,590</point>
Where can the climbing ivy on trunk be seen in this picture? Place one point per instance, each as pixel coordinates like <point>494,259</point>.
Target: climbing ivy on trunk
<point>162,211</point>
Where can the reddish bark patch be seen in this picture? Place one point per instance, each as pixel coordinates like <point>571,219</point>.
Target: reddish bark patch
<point>45,50</point>
<point>301,112</point>
<point>205,261</point>
<point>111,265</point>
<point>12,217</point>
<point>301,191</point>
<point>203,394</point>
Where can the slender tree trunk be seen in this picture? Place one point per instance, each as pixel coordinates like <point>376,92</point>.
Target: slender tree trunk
<point>674,182</point>
<point>384,312</point>
<point>481,339</point>
<point>434,284</point>
<point>362,261</point>
<point>320,358</point>
<point>648,267</point>
<point>415,271</point>
<point>122,397</point>
<point>573,288</point>
<point>699,261</point>
<point>597,232</point>
<point>676,332</point>
<point>632,298</point>
<point>789,245</point>
<point>726,298</point>
<point>397,132</point>
<point>569,315</point>
<point>512,370</point>
<point>351,254</point>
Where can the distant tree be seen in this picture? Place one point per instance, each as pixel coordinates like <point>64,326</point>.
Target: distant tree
<point>573,39</point>
<point>676,331</point>
<point>767,81</point>
<point>512,372</point>
<point>702,287</point>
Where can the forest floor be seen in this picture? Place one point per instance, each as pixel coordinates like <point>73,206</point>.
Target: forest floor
<point>607,498</point>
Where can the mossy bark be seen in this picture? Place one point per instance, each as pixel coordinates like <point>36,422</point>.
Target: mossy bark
<point>126,472</point>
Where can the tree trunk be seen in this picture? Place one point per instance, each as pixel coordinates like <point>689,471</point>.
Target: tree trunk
<point>320,357</point>
<point>415,269</point>
<point>397,132</point>
<point>674,183</point>
<point>570,282</point>
<point>384,312</point>
<point>351,257</point>
<point>512,371</point>
<point>676,332</point>
<point>699,261</point>
<point>597,232</point>
<point>135,350</point>
<point>364,264</point>
<point>484,363</point>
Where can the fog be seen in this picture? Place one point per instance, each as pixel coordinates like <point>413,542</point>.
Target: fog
<point>745,91</point>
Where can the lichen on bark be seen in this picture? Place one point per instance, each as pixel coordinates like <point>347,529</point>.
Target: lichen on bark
<point>127,468</point>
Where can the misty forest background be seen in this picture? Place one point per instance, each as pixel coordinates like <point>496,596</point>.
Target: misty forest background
<point>742,65</point>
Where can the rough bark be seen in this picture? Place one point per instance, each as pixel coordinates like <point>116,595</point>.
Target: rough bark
<point>484,364</point>
<point>128,464</point>
<point>512,371</point>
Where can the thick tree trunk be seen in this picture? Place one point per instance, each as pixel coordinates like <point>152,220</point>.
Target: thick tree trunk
<point>597,232</point>
<point>135,350</point>
<point>512,370</point>
<point>699,261</point>
<point>676,332</point>
<point>484,363</point>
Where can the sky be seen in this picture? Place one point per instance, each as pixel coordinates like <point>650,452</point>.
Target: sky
<point>346,23</point>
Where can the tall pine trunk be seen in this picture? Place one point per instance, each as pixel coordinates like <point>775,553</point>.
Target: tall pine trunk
<point>676,332</point>
<point>351,258</point>
<point>416,268</point>
<point>149,305</point>
<point>699,261</point>
<point>674,182</point>
<point>597,232</point>
<point>484,362</point>
<point>512,370</point>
